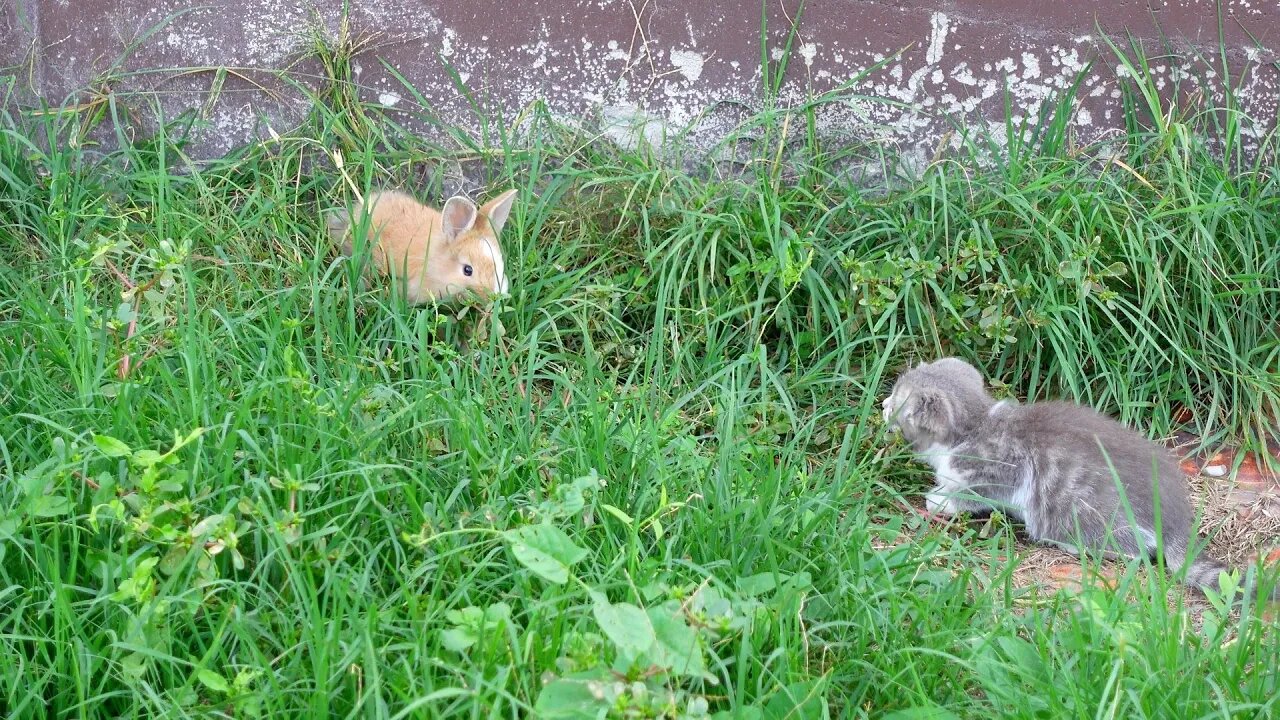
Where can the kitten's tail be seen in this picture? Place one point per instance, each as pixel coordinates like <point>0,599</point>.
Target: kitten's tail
<point>1204,572</point>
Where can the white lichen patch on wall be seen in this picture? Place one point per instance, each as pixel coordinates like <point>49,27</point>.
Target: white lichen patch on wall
<point>938,38</point>
<point>644,72</point>
<point>689,63</point>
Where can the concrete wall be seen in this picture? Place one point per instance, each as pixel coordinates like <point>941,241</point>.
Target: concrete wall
<point>671,62</point>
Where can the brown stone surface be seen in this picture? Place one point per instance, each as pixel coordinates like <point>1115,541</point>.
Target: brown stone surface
<point>629,61</point>
<point>18,44</point>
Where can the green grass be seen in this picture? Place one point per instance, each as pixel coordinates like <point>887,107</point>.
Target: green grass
<point>376,510</point>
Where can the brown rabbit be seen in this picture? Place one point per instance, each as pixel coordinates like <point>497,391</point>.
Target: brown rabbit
<point>436,255</point>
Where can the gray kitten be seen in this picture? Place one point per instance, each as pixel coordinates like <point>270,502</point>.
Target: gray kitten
<point>1051,465</point>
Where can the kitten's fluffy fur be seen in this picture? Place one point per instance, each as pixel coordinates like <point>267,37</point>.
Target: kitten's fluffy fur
<point>1052,465</point>
<point>435,255</point>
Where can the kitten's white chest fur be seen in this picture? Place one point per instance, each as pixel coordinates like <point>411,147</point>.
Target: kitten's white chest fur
<point>950,482</point>
<point>939,458</point>
<point>1020,503</point>
<point>947,481</point>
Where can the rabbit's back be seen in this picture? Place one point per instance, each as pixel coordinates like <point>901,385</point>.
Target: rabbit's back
<point>402,228</point>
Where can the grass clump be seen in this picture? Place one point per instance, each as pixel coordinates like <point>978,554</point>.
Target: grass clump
<point>650,483</point>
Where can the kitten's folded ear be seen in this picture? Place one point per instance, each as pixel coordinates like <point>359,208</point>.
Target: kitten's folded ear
<point>928,411</point>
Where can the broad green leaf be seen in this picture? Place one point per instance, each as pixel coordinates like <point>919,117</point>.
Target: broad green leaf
<point>760,583</point>
<point>146,458</point>
<point>470,615</point>
<point>124,312</point>
<point>206,525</point>
<point>625,624</point>
<point>998,676</point>
<point>34,483</point>
<point>569,500</point>
<point>677,647</point>
<point>545,550</point>
<point>172,559</point>
<point>51,506</point>
<point>1025,657</point>
<point>572,699</point>
<point>213,681</point>
<point>798,701</point>
<point>800,581</point>
<point>133,665</point>
<point>457,639</point>
<point>110,446</point>
<point>497,615</point>
<point>472,623</point>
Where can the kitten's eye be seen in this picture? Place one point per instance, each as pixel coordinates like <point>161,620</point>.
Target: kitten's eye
<point>467,270</point>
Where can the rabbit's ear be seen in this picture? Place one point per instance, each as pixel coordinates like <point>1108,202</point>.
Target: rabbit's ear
<point>498,209</point>
<point>459,214</point>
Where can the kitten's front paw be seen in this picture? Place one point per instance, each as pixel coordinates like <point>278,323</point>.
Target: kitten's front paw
<point>938,504</point>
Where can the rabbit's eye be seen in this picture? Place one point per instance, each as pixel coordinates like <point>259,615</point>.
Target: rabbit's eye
<point>467,270</point>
